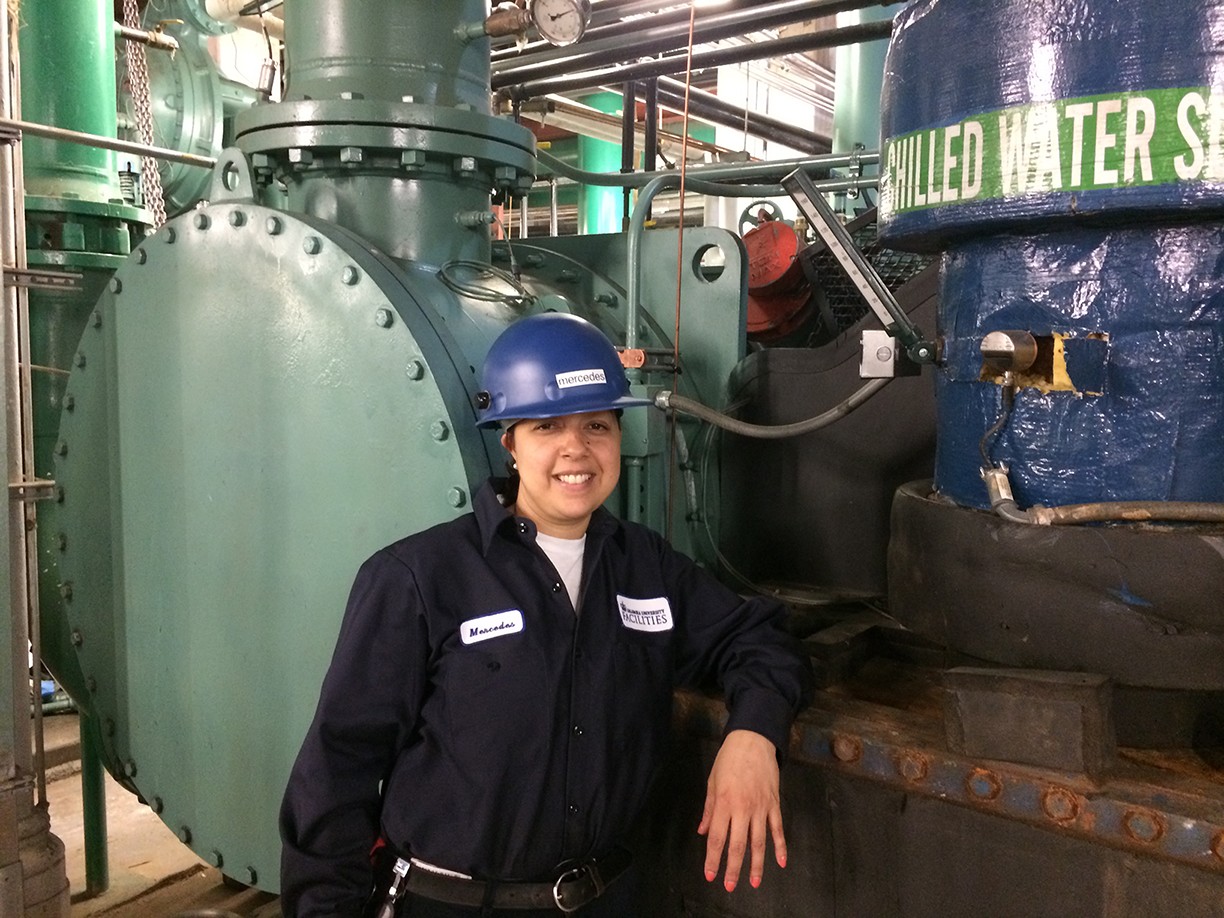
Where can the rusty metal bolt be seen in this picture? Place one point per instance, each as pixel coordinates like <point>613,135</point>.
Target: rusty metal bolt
<point>1143,825</point>
<point>983,784</point>
<point>846,748</point>
<point>1217,845</point>
<point>1060,804</point>
<point>913,766</point>
<point>184,834</point>
<point>157,804</point>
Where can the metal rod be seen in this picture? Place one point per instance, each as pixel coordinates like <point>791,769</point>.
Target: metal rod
<point>107,143</point>
<point>662,34</point>
<point>152,39</point>
<point>719,57</point>
<point>628,122</point>
<point>650,145</point>
<point>552,205</point>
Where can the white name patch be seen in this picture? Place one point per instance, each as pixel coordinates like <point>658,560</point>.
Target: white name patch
<point>645,614</point>
<point>581,378</point>
<point>475,630</point>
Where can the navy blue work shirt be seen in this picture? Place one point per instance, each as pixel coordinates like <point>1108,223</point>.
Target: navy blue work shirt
<point>475,721</point>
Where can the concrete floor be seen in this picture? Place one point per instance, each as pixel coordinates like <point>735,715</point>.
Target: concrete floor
<point>151,872</point>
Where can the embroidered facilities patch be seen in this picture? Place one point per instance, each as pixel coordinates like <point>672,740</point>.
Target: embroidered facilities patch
<point>645,614</point>
<point>475,630</point>
<point>581,378</point>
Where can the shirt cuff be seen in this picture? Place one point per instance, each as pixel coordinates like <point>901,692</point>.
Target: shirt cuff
<point>766,713</point>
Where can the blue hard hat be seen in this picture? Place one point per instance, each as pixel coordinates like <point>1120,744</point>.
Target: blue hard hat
<point>548,365</point>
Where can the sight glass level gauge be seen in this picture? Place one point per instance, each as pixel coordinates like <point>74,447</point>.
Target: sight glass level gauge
<point>561,22</point>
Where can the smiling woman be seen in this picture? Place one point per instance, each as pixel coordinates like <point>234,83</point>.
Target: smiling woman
<point>500,696</point>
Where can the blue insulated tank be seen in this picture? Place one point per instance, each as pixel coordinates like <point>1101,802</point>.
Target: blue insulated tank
<point>1071,169</point>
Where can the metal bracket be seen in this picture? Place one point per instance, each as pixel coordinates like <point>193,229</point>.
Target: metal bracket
<point>42,280</point>
<point>35,489</point>
<point>860,271</point>
<point>9,134</point>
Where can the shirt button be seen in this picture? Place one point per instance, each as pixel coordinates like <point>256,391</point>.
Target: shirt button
<point>556,587</point>
<point>577,730</point>
<point>573,808</point>
<point>522,527</point>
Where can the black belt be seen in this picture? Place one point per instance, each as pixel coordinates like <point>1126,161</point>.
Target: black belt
<point>572,889</point>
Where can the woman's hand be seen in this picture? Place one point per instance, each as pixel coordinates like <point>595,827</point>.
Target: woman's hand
<point>742,802</point>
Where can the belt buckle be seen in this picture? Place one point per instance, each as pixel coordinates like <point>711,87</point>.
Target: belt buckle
<point>568,876</point>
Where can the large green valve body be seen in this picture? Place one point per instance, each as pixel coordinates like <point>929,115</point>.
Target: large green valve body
<point>267,396</point>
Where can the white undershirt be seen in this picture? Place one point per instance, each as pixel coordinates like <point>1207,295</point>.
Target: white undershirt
<point>566,557</point>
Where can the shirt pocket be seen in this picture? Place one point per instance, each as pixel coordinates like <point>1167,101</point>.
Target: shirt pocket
<point>495,694</point>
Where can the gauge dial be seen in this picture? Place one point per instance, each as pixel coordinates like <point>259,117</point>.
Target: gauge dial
<point>561,22</point>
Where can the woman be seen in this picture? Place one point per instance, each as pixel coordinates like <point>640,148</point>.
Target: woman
<point>500,694</point>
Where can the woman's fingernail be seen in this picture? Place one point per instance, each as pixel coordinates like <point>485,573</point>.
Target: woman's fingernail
<point>782,862</point>
<point>756,882</point>
<point>730,885</point>
<point>709,876</point>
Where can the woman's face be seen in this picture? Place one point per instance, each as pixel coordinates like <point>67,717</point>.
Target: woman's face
<point>567,467</point>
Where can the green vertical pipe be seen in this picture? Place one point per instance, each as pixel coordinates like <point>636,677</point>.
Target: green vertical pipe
<point>68,80</point>
<point>599,208</point>
<point>859,81</point>
<point>93,804</point>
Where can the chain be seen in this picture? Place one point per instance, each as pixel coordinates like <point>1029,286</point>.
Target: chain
<point>138,80</point>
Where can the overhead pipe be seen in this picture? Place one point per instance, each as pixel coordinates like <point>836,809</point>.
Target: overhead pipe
<point>676,63</point>
<point>712,108</point>
<point>230,12</point>
<point>638,38</point>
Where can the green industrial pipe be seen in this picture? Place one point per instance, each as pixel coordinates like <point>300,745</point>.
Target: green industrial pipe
<point>599,207</point>
<point>68,80</point>
<point>93,805</point>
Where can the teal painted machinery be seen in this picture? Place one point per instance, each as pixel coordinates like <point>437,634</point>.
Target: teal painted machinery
<point>279,382</point>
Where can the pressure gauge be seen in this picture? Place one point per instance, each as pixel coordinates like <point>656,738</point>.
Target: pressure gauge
<point>561,22</point>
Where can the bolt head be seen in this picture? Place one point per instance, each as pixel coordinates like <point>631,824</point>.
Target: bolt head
<point>382,318</point>
<point>77,638</point>
<point>184,834</point>
<point>157,805</point>
<point>351,154</point>
<point>414,370</point>
<point>91,684</point>
<point>251,875</point>
<point>456,497</point>
<point>439,431</point>
<point>350,275</point>
<point>312,245</point>
<point>170,235</point>
<point>300,157</point>
<point>846,748</point>
<point>215,858</point>
<point>237,218</point>
<point>115,285</point>
<point>274,226</point>
<point>141,256</point>
<point>129,768</point>
<point>201,221</point>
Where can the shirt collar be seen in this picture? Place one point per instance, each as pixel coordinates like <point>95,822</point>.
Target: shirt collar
<point>492,517</point>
